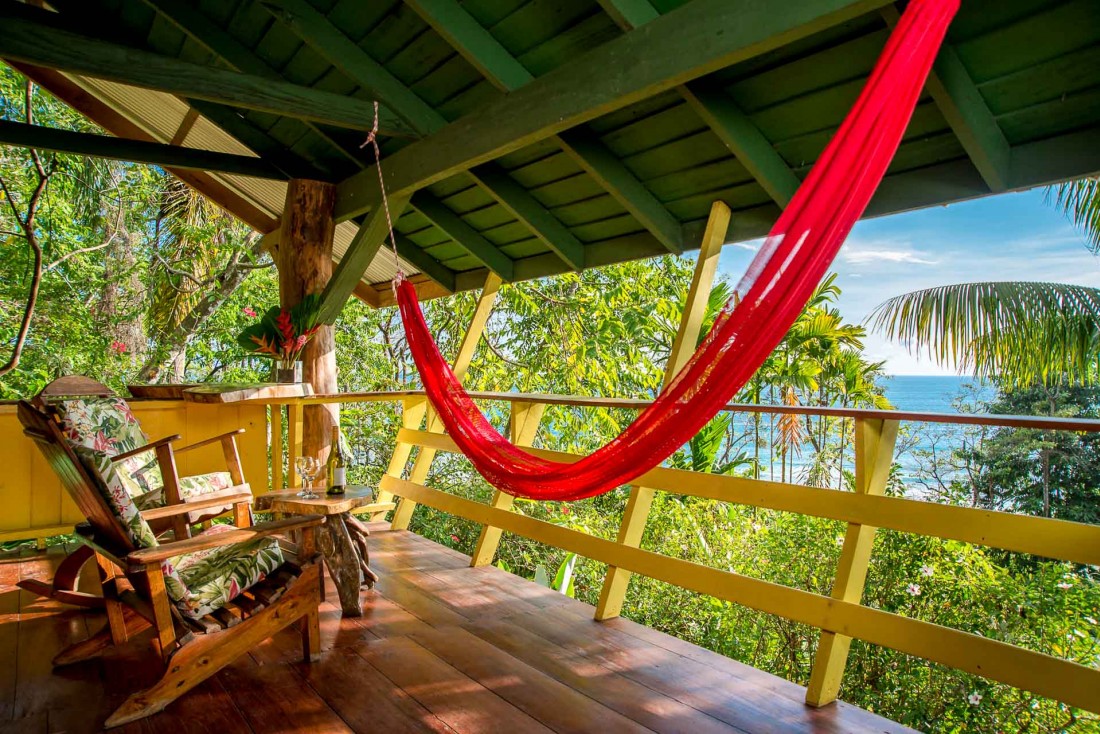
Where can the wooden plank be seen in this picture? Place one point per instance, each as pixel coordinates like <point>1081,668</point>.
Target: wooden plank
<point>695,39</point>
<point>358,257</point>
<point>531,212</point>
<point>966,112</point>
<point>135,151</point>
<point>463,234</point>
<point>452,697</point>
<point>629,13</point>
<point>35,43</point>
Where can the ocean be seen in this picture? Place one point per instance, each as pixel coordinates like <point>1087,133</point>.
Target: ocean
<point>933,393</point>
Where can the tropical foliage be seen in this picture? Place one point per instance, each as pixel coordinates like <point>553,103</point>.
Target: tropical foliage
<point>283,333</point>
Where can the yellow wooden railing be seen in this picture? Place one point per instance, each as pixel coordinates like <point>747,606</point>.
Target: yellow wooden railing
<point>840,616</point>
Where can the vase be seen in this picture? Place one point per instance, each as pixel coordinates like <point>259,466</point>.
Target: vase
<point>287,373</point>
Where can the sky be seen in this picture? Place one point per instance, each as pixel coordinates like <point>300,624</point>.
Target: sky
<point>1008,237</point>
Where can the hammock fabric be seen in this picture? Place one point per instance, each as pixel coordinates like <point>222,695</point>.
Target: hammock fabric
<point>774,290</point>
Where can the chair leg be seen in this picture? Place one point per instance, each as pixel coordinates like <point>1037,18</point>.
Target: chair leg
<point>116,617</point>
<point>311,637</point>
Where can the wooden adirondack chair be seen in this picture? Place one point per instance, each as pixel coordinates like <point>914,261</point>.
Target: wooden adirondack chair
<point>150,460</point>
<point>209,598</point>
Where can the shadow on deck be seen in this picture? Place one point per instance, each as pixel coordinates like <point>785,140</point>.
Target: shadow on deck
<point>441,647</point>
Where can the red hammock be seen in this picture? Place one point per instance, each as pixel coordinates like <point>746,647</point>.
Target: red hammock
<point>770,296</point>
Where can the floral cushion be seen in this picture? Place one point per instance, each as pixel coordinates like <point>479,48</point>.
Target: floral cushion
<point>193,487</point>
<point>208,579</point>
<point>108,425</point>
<point>117,495</point>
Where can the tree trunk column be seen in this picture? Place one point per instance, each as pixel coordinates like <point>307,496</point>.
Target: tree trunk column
<point>304,260</point>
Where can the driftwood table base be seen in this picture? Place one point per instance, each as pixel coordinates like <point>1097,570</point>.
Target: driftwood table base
<point>342,539</point>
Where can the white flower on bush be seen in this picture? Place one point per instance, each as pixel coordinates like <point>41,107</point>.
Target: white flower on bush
<point>927,570</point>
<point>1065,585</point>
<point>1090,620</point>
<point>913,589</point>
<point>974,698</point>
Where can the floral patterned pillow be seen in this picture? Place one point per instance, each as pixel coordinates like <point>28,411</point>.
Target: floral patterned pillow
<point>108,425</point>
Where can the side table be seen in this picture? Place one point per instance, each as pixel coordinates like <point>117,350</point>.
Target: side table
<point>343,538</point>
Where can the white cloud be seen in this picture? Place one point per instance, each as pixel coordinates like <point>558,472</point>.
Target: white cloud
<point>858,255</point>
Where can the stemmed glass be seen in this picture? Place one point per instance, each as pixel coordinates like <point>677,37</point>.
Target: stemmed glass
<point>308,468</point>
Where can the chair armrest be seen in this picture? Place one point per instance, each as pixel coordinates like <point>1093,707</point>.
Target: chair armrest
<point>150,556</point>
<point>158,513</point>
<point>152,446</point>
<point>208,441</point>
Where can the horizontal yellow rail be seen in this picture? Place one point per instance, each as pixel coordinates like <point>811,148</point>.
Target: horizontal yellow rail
<point>1060,539</point>
<point>1063,680</point>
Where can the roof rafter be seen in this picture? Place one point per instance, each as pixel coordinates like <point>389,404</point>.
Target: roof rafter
<point>696,39</point>
<point>42,45</point>
<point>331,43</point>
<point>721,114</point>
<point>463,234</point>
<point>475,44</point>
<point>136,151</point>
<point>961,104</point>
<point>424,262</point>
<point>357,258</point>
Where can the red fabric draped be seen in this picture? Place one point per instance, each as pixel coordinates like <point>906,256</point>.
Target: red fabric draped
<point>795,256</point>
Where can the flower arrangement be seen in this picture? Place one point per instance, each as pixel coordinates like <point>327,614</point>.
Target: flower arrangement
<point>282,333</point>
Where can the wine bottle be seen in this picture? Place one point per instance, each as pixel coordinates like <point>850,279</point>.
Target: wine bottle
<point>337,465</point>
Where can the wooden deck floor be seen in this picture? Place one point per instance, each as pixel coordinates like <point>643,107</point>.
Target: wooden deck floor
<point>442,648</point>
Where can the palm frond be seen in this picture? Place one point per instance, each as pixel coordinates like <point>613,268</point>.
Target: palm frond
<point>1080,201</point>
<point>1018,332</point>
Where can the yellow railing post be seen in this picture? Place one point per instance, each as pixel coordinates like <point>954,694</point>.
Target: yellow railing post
<point>423,463</point>
<point>523,424</point>
<point>293,442</point>
<point>875,439</point>
<point>691,323</point>
<point>413,410</point>
<point>277,455</point>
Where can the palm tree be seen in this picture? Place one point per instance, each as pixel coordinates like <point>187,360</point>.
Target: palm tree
<point>1021,333</point>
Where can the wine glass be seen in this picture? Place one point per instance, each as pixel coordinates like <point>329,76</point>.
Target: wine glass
<point>308,468</point>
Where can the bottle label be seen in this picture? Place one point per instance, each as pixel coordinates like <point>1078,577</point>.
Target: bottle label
<point>338,477</point>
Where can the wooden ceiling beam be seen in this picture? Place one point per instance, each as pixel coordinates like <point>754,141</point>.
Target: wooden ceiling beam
<point>696,39</point>
<point>962,105</point>
<point>136,151</point>
<point>721,114</point>
<point>357,258</point>
<point>411,253</point>
<point>475,44</point>
<point>527,209</point>
<point>463,234</point>
<point>33,42</point>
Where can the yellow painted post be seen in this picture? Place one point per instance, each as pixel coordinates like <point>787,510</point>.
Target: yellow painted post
<point>277,478</point>
<point>691,323</point>
<point>523,424</point>
<point>423,463</point>
<point>293,442</point>
<point>875,439</point>
<point>412,413</point>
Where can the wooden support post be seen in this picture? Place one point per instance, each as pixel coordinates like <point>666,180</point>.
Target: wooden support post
<point>423,463</point>
<point>691,323</point>
<point>293,441</point>
<point>522,426</point>
<point>304,259</point>
<point>277,454</point>
<point>875,439</point>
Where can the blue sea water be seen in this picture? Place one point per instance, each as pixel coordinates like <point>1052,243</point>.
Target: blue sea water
<point>933,393</point>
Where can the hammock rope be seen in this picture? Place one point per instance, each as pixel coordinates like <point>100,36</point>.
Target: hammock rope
<point>775,288</point>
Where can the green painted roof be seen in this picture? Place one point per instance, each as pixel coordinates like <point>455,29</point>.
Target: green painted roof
<point>1022,74</point>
